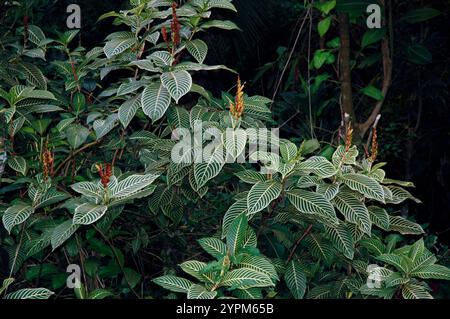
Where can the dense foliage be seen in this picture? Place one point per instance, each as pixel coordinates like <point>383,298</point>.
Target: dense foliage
<point>88,175</point>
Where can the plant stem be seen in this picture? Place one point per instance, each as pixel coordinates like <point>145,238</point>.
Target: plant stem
<point>297,243</point>
<point>60,166</point>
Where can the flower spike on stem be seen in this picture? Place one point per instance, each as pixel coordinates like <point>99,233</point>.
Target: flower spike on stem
<point>348,137</point>
<point>237,108</point>
<point>165,37</point>
<point>47,162</point>
<point>374,145</point>
<point>175,28</point>
<point>105,173</point>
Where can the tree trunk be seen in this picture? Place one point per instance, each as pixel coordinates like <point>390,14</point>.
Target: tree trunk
<point>344,68</point>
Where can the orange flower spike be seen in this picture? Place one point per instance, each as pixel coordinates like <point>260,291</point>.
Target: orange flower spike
<point>108,172</point>
<point>105,174</point>
<point>237,108</point>
<point>109,169</point>
<point>374,146</point>
<point>239,98</point>
<point>232,109</point>
<point>175,26</point>
<point>348,138</point>
<point>164,34</point>
<point>52,167</point>
<point>165,37</point>
<point>47,162</point>
<point>45,169</point>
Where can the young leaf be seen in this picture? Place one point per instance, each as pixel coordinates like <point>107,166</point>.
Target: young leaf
<point>78,102</point>
<point>321,57</point>
<point>288,150</point>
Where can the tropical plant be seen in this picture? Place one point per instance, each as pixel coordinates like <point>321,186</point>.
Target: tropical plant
<point>116,173</point>
<point>410,263</point>
<point>303,197</point>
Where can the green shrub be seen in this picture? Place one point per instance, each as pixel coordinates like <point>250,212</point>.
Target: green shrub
<point>90,178</point>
